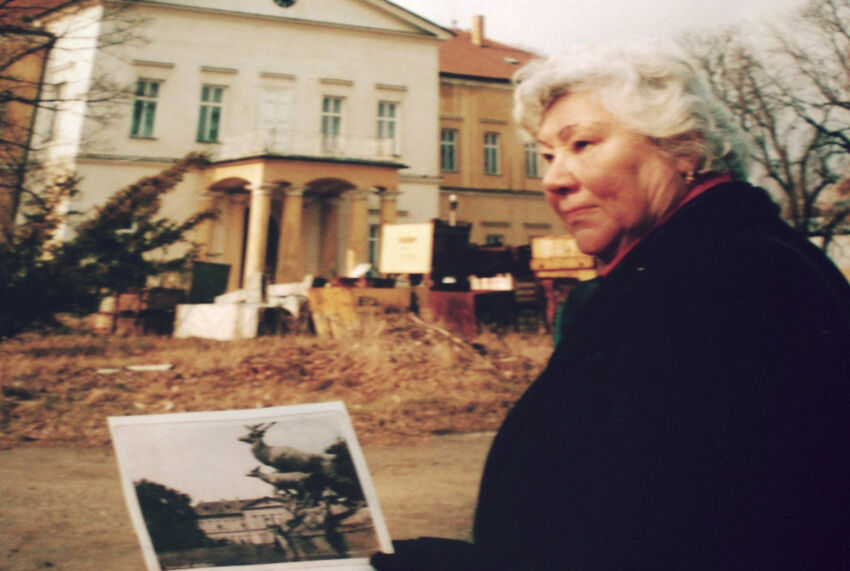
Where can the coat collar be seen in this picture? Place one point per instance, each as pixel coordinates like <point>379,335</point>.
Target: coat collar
<point>726,205</point>
<point>693,193</point>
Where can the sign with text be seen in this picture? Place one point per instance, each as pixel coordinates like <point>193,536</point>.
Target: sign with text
<point>558,252</point>
<point>406,248</point>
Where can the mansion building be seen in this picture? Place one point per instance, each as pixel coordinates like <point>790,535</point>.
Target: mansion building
<point>324,120</point>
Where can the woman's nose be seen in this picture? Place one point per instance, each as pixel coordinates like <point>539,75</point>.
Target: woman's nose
<point>559,177</point>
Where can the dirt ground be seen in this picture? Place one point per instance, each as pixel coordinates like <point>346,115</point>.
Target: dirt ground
<point>63,508</point>
<point>423,402</point>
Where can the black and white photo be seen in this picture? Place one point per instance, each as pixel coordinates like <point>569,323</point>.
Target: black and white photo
<point>260,489</point>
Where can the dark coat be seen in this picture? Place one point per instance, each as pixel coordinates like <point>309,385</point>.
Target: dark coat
<point>695,415</point>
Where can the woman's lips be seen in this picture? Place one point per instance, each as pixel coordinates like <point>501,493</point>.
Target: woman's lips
<point>577,213</point>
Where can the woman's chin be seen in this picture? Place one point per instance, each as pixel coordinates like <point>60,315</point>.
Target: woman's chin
<point>590,242</point>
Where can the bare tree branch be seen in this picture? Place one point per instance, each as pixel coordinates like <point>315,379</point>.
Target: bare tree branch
<point>33,33</point>
<point>790,94</point>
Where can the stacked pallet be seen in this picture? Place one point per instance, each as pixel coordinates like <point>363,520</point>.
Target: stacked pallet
<point>147,311</point>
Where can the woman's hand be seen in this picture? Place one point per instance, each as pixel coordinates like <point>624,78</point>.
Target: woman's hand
<point>428,554</point>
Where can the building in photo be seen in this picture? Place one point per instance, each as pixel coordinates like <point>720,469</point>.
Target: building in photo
<point>261,521</point>
<point>227,519</point>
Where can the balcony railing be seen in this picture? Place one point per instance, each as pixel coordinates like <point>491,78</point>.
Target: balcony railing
<point>306,144</point>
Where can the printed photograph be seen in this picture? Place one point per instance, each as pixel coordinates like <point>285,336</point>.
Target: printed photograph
<point>273,488</point>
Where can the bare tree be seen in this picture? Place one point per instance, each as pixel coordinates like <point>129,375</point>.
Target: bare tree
<point>788,88</point>
<point>32,32</point>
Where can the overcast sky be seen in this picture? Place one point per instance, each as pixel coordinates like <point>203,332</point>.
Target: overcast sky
<point>547,26</point>
<point>200,454</point>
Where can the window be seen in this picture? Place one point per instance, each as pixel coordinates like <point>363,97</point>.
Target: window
<point>494,240</point>
<point>491,153</point>
<point>144,108</point>
<point>448,150</point>
<point>531,169</point>
<point>331,122</point>
<point>51,97</point>
<point>388,127</point>
<point>277,110</point>
<point>209,121</point>
<point>374,235</point>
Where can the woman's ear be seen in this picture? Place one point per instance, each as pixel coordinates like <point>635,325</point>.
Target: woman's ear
<point>687,166</point>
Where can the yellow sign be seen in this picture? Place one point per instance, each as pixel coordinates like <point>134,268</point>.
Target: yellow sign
<point>558,253</point>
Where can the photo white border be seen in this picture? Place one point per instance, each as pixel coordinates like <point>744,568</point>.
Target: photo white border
<point>248,416</point>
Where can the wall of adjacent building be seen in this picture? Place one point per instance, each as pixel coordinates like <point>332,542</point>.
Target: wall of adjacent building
<point>22,79</point>
<point>509,204</point>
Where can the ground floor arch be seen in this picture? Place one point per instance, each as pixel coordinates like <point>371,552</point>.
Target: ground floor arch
<point>284,220</point>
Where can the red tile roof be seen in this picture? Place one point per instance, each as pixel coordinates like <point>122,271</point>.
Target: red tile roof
<point>491,60</point>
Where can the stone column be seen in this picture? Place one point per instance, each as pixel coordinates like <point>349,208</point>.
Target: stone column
<point>290,252</point>
<point>389,211</point>
<point>329,237</point>
<point>389,203</point>
<point>258,231</point>
<point>358,229</point>
<point>235,229</point>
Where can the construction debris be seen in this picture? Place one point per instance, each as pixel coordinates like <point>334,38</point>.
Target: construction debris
<point>402,379</point>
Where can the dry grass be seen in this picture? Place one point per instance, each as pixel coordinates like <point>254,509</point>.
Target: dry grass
<point>401,379</point>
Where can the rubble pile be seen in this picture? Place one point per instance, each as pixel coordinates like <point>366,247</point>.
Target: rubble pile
<point>401,379</point>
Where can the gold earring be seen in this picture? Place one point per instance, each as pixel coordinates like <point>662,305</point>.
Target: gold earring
<point>689,177</point>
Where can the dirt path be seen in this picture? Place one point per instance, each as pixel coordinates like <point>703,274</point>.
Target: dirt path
<point>62,508</point>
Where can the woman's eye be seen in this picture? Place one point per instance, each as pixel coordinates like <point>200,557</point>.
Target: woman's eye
<point>580,145</point>
<point>548,157</point>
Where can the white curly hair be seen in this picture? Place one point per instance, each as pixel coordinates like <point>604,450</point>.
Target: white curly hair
<point>651,89</point>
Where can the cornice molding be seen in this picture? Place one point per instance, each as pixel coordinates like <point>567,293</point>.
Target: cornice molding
<point>431,31</point>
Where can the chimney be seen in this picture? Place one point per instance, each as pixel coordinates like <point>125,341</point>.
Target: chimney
<point>478,30</point>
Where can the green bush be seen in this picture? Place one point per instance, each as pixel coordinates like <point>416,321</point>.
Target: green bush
<point>109,252</point>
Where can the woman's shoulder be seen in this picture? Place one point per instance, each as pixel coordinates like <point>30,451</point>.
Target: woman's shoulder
<point>735,232</point>
<point>730,251</point>
<point>764,259</point>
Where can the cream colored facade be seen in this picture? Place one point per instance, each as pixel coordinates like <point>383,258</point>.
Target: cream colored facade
<point>293,200</point>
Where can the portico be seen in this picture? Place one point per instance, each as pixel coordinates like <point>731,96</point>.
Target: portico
<point>287,217</point>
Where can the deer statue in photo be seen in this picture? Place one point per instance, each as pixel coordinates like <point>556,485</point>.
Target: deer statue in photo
<point>284,458</point>
<point>320,489</point>
<point>286,482</point>
<point>333,469</point>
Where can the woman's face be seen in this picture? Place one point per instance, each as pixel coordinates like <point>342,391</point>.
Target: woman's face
<point>607,183</point>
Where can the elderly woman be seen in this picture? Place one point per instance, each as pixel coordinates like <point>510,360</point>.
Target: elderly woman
<point>696,414</point>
